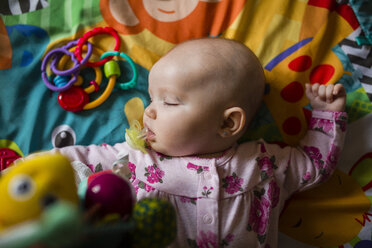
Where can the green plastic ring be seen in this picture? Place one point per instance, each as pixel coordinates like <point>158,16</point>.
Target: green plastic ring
<point>131,83</point>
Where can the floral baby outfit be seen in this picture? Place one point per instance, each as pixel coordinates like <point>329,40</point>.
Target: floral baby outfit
<point>234,200</point>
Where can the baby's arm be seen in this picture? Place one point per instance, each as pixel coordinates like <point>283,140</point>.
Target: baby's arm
<point>324,140</point>
<point>93,155</point>
<point>315,159</point>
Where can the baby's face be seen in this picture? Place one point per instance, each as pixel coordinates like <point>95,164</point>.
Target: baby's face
<point>183,117</point>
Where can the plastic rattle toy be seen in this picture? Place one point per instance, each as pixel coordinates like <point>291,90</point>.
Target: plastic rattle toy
<point>94,84</point>
<point>33,185</point>
<point>93,32</point>
<point>112,71</point>
<point>76,99</point>
<point>72,97</point>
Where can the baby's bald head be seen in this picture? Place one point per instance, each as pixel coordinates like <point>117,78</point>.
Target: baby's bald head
<point>204,94</point>
<point>230,70</point>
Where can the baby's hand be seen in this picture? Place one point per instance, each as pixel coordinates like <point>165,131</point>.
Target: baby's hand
<point>326,97</point>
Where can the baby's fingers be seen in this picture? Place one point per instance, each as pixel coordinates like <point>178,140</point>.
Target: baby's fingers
<point>322,91</point>
<point>311,90</point>
<point>315,89</point>
<point>329,93</point>
<point>339,90</point>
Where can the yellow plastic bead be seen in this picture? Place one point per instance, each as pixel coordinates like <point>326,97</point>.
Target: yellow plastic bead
<point>112,68</point>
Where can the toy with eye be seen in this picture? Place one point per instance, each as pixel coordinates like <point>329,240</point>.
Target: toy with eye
<point>33,185</point>
<point>39,206</point>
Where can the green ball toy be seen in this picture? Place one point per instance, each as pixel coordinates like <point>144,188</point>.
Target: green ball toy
<point>155,221</point>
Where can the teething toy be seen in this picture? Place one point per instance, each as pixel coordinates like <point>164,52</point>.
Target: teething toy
<point>77,65</point>
<point>93,32</point>
<point>135,136</point>
<point>44,75</point>
<point>72,97</point>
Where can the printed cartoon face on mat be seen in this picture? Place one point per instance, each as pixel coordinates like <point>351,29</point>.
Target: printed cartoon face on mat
<point>340,206</point>
<point>170,11</point>
<point>33,185</point>
<point>173,20</point>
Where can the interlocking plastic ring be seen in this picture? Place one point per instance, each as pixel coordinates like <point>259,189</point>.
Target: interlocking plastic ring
<point>75,69</point>
<point>89,34</point>
<point>97,70</point>
<point>131,83</point>
<point>77,66</point>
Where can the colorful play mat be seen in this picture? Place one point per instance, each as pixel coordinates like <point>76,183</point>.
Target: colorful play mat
<point>48,100</point>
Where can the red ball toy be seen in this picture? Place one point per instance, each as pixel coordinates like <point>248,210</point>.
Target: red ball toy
<point>112,193</point>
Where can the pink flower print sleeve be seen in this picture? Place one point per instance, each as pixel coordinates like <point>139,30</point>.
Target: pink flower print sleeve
<point>103,154</point>
<point>315,159</point>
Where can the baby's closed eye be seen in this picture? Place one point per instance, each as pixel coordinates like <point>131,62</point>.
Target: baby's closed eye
<point>171,103</point>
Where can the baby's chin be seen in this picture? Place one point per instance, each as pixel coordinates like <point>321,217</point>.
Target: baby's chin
<point>169,151</point>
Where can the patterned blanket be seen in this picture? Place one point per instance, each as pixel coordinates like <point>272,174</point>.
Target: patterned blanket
<point>297,41</point>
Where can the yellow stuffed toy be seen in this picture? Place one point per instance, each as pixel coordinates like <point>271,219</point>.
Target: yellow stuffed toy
<point>32,185</point>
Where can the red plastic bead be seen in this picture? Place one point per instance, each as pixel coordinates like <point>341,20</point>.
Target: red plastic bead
<point>73,99</point>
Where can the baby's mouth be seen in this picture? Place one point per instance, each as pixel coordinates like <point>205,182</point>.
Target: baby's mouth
<point>150,135</point>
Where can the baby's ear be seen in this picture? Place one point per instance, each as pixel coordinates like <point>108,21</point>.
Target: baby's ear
<point>234,121</point>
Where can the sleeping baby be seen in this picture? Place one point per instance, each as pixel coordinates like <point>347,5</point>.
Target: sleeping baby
<point>204,93</point>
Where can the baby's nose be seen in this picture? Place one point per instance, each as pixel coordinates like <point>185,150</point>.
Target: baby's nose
<point>150,112</point>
